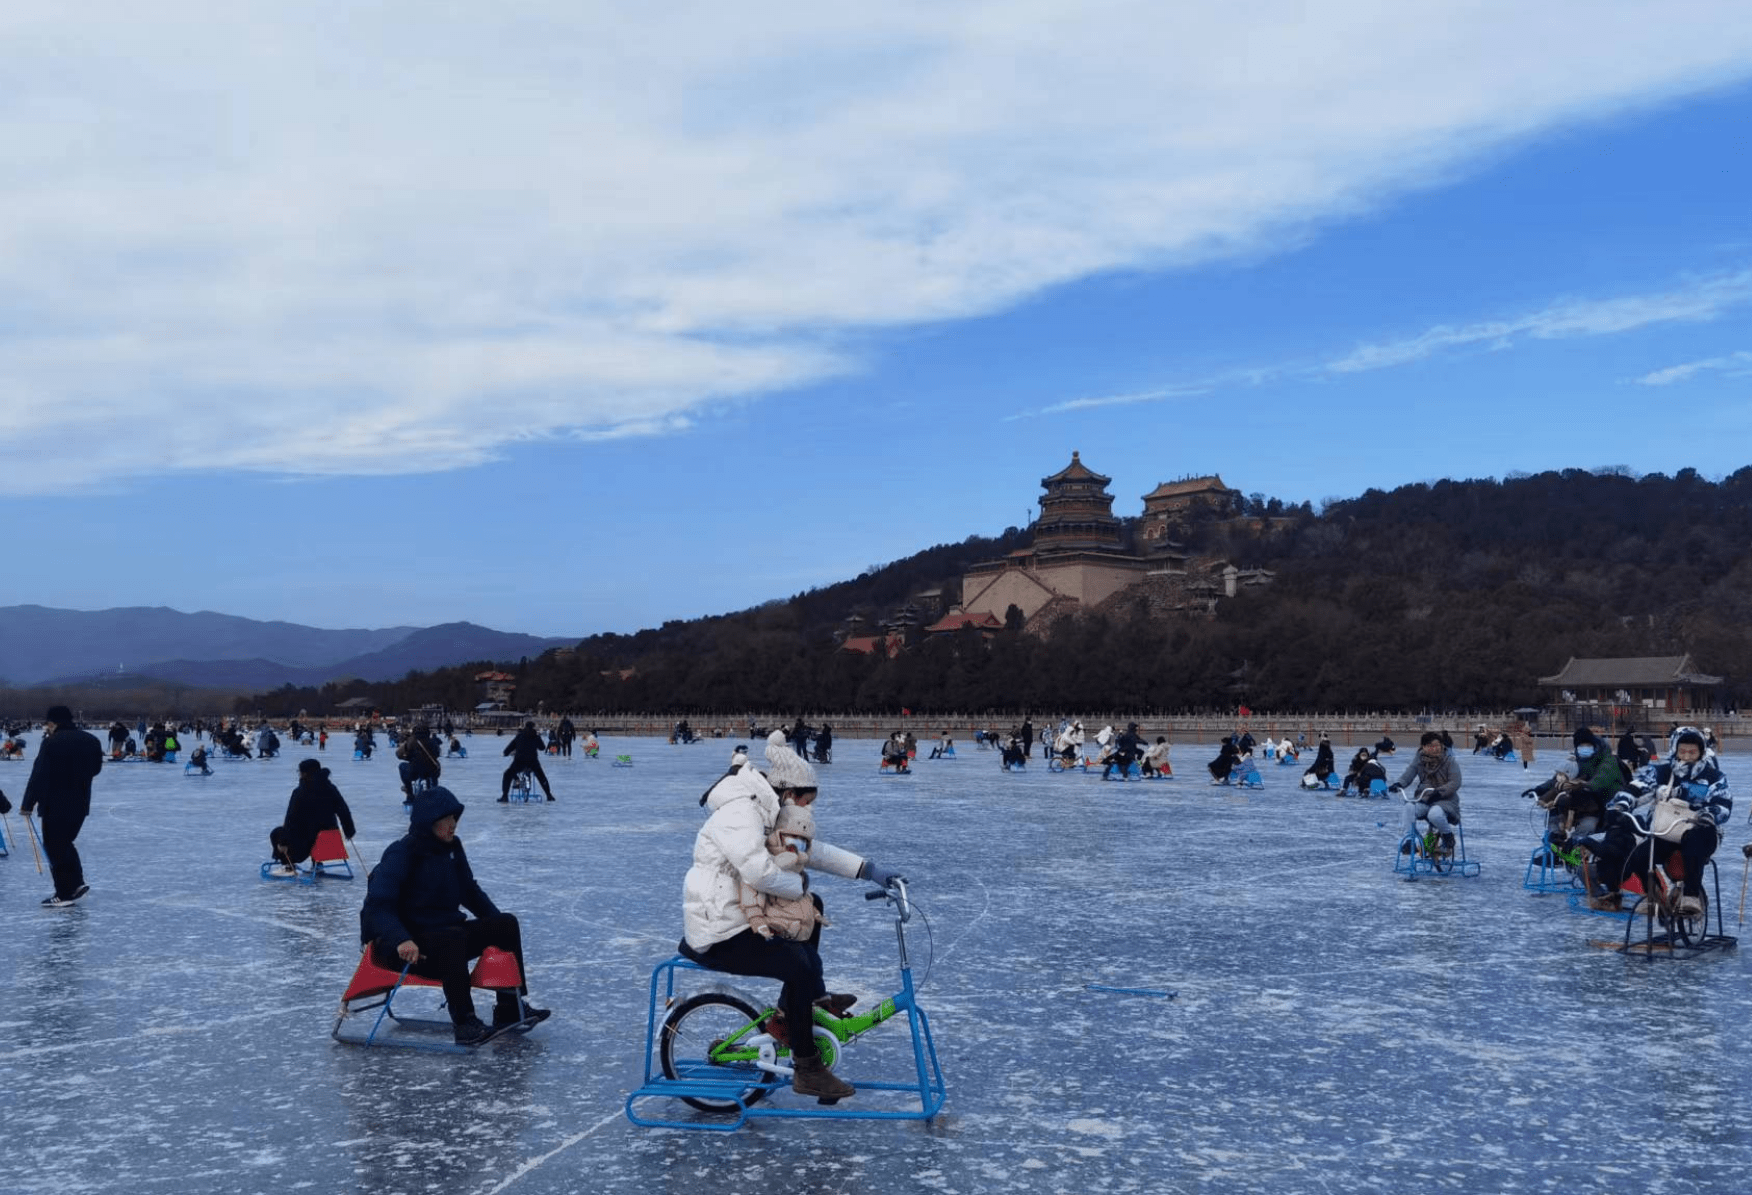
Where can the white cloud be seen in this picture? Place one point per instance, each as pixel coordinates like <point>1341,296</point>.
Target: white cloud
<point>1733,364</point>
<point>341,238</point>
<point>1700,299</point>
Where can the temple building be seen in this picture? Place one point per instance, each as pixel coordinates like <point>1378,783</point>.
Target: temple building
<point>1079,556</point>
<point>1169,506</point>
<point>1083,554</point>
<point>1672,685</point>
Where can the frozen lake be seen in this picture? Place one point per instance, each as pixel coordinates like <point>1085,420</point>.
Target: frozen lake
<point>1336,1028</point>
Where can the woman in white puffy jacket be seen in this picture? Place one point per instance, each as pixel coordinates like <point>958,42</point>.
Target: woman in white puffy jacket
<point>731,850</point>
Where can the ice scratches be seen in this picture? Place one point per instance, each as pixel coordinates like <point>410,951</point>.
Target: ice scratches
<point>217,911</point>
<point>533,1164</point>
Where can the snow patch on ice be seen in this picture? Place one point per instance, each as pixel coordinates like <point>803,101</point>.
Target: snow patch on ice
<point>1096,1128</point>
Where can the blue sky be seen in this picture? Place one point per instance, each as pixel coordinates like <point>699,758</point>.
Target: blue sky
<point>570,318</point>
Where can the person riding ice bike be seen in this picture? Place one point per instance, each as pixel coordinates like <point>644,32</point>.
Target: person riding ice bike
<point>730,851</point>
<point>1431,786</point>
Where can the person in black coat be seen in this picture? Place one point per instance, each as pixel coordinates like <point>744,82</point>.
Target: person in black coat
<point>413,916</point>
<point>60,784</point>
<point>419,760</point>
<point>1224,763</point>
<point>316,805</point>
<point>525,750</point>
<point>1127,748</point>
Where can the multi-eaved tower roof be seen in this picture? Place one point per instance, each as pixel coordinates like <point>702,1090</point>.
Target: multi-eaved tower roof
<point>1076,512</point>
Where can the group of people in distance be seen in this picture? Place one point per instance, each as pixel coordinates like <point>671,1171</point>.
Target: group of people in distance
<point>1628,813</point>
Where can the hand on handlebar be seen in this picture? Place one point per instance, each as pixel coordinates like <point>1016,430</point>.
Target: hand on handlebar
<point>877,874</point>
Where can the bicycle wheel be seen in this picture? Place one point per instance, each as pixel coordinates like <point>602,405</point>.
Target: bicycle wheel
<point>699,1041</point>
<point>1442,857</point>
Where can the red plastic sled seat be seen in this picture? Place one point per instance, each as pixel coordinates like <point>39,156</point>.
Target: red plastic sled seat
<point>495,970</point>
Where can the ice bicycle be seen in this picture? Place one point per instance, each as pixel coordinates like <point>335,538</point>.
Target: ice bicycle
<point>1670,928</point>
<point>713,1051</point>
<point>1424,852</point>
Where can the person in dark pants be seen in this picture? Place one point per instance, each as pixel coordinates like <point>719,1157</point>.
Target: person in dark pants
<point>413,915</point>
<point>1692,779</point>
<point>419,764</point>
<point>1127,748</point>
<point>525,751</point>
<point>731,850</point>
<point>60,784</point>
<point>316,805</point>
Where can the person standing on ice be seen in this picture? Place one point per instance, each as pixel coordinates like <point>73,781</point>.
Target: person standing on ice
<point>316,805</point>
<point>525,752</point>
<point>1434,778</point>
<point>60,784</point>
<point>731,850</point>
<point>413,916</point>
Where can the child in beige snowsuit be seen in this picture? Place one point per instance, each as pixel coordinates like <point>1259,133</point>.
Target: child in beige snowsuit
<point>796,918</point>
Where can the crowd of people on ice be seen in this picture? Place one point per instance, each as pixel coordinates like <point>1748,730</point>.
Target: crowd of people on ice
<point>747,906</point>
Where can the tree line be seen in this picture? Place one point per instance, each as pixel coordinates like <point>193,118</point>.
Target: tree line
<point>1448,595</point>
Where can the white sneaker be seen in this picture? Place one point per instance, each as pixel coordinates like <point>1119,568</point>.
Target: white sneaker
<point>64,902</point>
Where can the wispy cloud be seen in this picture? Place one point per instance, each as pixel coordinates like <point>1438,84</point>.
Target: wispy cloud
<point>272,248</point>
<point>1120,400</point>
<point>1701,299</point>
<point>1733,364</point>
<point>1697,299</point>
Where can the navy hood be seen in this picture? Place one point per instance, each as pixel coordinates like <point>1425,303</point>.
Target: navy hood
<point>436,802</point>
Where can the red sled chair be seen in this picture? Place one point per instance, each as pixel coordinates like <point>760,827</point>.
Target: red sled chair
<point>328,857</point>
<point>377,988</point>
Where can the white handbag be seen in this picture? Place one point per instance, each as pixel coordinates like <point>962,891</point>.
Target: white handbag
<point>1669,819</point>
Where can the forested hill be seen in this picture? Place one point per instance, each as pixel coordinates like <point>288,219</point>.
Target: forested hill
<point>1451,595</point>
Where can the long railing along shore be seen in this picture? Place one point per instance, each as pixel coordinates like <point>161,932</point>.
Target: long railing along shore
<point>1348,729</point>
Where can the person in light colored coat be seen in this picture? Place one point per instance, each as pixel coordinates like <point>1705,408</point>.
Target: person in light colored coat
<point>730,850</point>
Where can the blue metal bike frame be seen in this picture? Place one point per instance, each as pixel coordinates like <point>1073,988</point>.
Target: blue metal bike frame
<point>929,1086</point>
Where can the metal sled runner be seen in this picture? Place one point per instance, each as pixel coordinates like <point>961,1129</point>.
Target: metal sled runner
<point>495,970</point>
<point>328,857</point>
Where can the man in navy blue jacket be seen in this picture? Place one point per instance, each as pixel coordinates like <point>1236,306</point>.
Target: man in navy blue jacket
<point>60,784</point>
<point>413,914</point>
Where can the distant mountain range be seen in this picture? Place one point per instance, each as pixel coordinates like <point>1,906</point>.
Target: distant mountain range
<point>41,645</point>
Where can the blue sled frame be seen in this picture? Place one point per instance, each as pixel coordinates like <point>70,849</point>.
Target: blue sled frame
<point>928,1086</point>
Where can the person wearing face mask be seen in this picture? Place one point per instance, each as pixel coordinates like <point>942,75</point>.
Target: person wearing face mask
<point>730,852</point>
<point>1576,803</point>
<point>1643,831</point>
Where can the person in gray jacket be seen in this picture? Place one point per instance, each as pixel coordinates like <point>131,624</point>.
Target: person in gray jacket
<point>1434,781</point>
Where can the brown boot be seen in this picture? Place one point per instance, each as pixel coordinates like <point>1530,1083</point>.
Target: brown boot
<point>837,1003</point>
<point>813,1078</point>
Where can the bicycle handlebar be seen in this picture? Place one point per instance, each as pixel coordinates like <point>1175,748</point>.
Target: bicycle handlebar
<point>896,892</point>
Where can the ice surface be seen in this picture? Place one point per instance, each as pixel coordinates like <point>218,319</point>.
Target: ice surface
<point>1336,1028</point>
